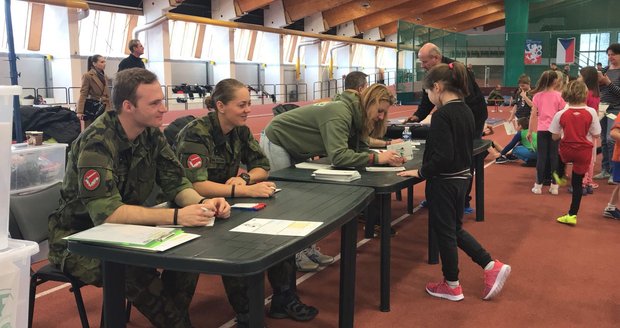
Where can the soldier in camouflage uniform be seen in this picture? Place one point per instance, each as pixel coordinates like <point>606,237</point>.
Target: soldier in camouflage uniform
<point>210,149</point>
<point>111,170</point>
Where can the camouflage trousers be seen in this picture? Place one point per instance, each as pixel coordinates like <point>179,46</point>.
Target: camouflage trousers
<point>163,297</point>
<point>280,277</point>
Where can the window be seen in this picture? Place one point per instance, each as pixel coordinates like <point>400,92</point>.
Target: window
<point>183,37</point>
<point>20,13</point>
<point>592,49</point>
<point>105,33</point>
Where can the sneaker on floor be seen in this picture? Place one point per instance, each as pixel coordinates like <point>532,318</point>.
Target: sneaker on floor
<point>568,219</point>
<point>537,189</point>
<point>611,181</point>
<point>612,214</point>
<point>554,189</point>
<point>594,185</point>
<point>288,305</point>
<point>313,254</point>
<point>424,203</point>
<point>443,290</point>
<point>602,176</point>
<point>512,158</point>
<point>468,210</point>
<point>304,264</point>
<point>501,159</point>
<point>495,279</point>
<point>560,180</point>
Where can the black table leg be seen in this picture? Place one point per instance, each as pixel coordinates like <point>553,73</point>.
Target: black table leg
<point>256,295</point>
<point>114,294</point>
<point>374,214</point>
<point>385,209</point>
<point>479,163</point>
<point>348,241</point>
<point>410,199</point>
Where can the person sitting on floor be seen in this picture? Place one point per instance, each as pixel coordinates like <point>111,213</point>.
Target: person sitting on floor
<point>521,147</point>
<point>495,98</point>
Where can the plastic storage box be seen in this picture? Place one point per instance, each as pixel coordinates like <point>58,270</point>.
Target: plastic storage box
<point>35,167</point>
<point>15,282</point>
<point>7,94</point>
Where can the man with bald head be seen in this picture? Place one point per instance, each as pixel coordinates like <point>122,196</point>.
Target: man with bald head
<point>430,56</point>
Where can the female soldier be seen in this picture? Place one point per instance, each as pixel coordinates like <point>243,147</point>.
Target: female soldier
<point>94,86</point>
<point>211,149</point>
<point>338,129</point>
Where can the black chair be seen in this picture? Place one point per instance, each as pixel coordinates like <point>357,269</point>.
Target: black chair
<point>28,220</point>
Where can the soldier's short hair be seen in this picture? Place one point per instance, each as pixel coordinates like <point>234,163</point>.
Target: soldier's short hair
<point>132,44</point>
<point>355,80</point>
<point>126,83</point>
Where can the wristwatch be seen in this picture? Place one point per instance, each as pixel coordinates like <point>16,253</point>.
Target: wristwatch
<point>245,177</point>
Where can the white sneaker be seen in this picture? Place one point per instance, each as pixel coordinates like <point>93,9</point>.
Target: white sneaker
<point>537,189</point>
<point>304,264</point>
<point>313,254</point>
<point>553,189</point>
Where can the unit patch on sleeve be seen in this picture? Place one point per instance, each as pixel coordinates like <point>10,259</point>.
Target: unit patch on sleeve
<point>194,161</point>
<point>91,179</point>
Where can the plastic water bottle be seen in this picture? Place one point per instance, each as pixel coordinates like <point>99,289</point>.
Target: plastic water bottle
<point>406,134</point>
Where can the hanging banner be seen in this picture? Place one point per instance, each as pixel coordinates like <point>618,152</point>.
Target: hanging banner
<point>566,51</point>
<point>533,52</point>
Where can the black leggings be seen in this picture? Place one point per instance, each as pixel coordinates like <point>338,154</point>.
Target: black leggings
<point>446,198</point>
<point>576,181</point>
<point>547,155</point>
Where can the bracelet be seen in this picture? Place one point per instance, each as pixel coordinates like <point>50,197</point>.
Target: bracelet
<point>202,200</point>
<point>176,217</point>
<point>371,159</point>
<point>232,192</point>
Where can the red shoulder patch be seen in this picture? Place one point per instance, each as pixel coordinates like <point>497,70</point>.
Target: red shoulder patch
<point>91,179</point>
<point>194,161</point>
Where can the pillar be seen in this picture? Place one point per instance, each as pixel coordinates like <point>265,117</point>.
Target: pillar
<point>517,15</point>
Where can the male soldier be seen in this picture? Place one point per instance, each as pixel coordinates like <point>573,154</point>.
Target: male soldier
<point>133,60</point>
<point>112,169</point>
<point>210,149</point>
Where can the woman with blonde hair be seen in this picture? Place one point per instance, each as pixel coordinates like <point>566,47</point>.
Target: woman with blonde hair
<point>338,129</point>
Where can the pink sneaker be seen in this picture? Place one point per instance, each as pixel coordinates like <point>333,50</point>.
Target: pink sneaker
<point>494,279</point>
<point>442,290</point>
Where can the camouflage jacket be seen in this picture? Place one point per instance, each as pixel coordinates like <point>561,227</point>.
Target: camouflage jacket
<point>106,170</point>
<point>207,154</point>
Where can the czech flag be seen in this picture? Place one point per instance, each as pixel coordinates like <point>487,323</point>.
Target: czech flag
<point>566,51</point>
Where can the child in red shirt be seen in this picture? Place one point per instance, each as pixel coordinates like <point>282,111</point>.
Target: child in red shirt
<point>579,124</point>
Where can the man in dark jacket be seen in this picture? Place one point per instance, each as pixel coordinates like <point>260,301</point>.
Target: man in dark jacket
<point>133,60</point>
<point>429,56</point>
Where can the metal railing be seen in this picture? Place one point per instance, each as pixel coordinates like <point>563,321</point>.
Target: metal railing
<point>263,93</point>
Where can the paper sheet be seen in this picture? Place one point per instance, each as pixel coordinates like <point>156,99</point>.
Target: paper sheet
<point>312,166</point>
<point>277,227</point>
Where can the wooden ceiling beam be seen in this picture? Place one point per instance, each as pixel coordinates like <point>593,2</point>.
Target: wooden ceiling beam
<point>249,5</point>
<point>468,15</point>
<point>298,9</point>
<point>353,10</point>
<point>409,9</point>
<point>449,10</point>
<point>389,28</point>
<point>479,21</point>
<point>494,25</point>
